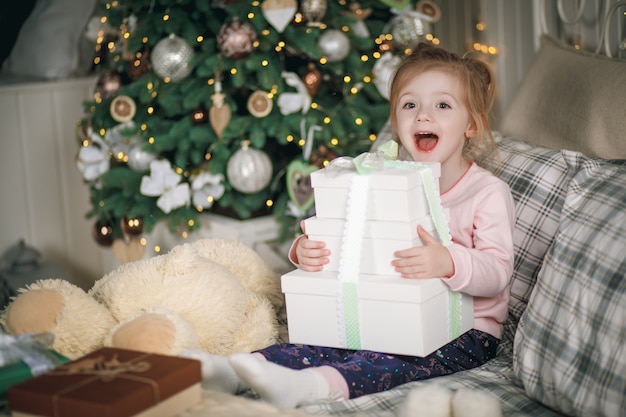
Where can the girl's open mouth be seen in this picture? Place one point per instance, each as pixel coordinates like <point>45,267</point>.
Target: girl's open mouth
<point>426,141</point>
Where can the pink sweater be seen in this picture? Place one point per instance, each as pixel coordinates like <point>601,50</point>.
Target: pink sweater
<point>482,217</point>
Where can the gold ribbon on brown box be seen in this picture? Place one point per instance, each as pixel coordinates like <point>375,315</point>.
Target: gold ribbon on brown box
<point>105,370</point>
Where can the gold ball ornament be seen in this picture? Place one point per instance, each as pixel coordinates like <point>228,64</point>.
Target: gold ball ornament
<point>171,58</point>
<point>236,39</point>
<point>260,104</point>
<point>123,109</point>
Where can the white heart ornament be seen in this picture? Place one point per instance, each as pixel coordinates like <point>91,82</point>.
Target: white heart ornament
<point>279,13</point>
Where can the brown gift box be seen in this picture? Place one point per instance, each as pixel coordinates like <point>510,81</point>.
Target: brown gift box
<point>111,382</point>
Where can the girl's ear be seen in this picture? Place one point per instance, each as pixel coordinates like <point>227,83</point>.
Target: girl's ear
<point>471,131</point>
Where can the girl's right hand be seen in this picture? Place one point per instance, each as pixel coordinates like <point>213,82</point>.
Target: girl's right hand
<point>311,255</point>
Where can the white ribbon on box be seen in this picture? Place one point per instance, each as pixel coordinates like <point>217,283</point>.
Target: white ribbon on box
<point>350,256</point>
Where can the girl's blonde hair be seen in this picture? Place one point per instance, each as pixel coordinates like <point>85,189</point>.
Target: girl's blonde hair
<point>477,83</point>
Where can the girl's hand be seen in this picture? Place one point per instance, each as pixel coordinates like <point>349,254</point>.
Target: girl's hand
<point>429,261</point>
<point>311,255</point>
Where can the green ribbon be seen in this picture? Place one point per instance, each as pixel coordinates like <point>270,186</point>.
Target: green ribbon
<point>351,317</point>
<point>365,164</point>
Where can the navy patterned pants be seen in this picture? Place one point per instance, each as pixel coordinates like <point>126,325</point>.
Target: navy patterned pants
<point>367,372</point>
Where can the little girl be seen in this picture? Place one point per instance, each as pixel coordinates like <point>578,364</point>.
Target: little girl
<point>439,112</point>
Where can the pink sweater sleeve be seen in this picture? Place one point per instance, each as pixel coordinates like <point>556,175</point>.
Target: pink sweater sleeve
<point>482,217</point>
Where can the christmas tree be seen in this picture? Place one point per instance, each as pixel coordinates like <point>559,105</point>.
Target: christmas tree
<point>227,106</point>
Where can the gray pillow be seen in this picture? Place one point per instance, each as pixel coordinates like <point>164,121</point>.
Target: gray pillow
<point>48,44</point>
<point>570,99</point>
<point>570,346</point>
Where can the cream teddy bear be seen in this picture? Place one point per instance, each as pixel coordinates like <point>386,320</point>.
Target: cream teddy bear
<point>213,294</point>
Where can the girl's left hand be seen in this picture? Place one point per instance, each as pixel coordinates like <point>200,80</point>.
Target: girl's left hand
<point>429,261</point>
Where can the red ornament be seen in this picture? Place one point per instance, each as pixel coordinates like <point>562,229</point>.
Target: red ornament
<point>322,156</point>
<point>138,65</point>
<point>102,233</point>
<point>132,226</point>
<point>199,116</point>
<point>108,84</point>
<point>312,79</point>
<point>237,39</point>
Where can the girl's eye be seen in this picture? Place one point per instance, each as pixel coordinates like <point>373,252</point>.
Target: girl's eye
<point>409,105</point>
<point>443,106</point>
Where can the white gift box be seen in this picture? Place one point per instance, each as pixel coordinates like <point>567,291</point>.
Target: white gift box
<point>395,194</point>
<point>380,240</point>
<point>395,315</point>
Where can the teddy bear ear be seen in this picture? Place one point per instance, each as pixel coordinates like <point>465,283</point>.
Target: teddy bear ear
<point>75,319</point>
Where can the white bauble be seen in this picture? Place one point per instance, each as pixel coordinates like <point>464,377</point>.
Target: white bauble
<point>408,30</point>
<point>334,44</point>
<point>249,170</point>
<point>171,58</point>
<point>138,159</point>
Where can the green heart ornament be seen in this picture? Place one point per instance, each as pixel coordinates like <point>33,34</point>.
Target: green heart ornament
<point>299,184</point>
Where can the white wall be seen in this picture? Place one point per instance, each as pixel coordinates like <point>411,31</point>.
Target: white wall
<point>42,196</point>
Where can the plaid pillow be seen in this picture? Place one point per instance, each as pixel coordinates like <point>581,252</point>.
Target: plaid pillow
<point>570,349</point>
<point>538,178</point>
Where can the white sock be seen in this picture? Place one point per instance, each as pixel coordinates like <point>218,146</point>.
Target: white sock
<point>280,386</point>
<point>217,373</point>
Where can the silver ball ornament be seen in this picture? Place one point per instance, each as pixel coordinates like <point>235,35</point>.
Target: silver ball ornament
<point>408,30</point>
<point>171,58</point>
<point>249,170</point>
<point>138,159</point>
<point>334,44</point>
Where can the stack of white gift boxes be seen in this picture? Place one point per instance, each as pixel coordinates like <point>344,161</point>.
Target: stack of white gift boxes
<point>359,301</point>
